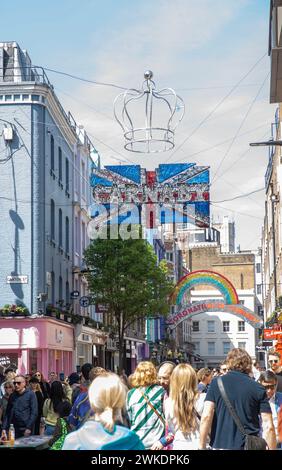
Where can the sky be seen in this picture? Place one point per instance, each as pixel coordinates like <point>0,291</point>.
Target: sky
<point>213,53</point>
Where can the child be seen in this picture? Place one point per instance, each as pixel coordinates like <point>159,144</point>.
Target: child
<point>62,427</point>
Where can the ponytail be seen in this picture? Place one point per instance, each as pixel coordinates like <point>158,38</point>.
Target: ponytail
<point>106,418</point>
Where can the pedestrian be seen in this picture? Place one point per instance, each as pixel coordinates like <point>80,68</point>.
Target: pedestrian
<point>144,404</point>
<point>74,383</point>
<point>62,427</point>
<point>35,387</point>
<point>204,377</point>
<point>182,408</point>
<point>103,431</point>
<point>223,368</point>
<point>164,375</point>
<point>274,361</point>
<point>246,396</point>
<point>9,375</point>
<point>44,385</point>
<point>8,390</point>
<point>269,381</point>
<point>21,409</point>
<point>57,395</point>
<point>81,408</point>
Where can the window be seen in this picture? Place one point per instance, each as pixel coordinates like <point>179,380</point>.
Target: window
<point>53,287</point>
<point>226,326</point>
<point>259,289</point>
<point>83,179</point>
<point>60,288</point>
<point>60,228</point>
<point>242,345</point>
<point>60,165</point>
<point>226,347</point>
<point>67,244</point>
<point>241,326</point>
<point>196,326</point>
<point>52,220</point>
<point>197,347</point>
<point>83,237</point>
<point>67,292</point>
<point>211,326</point>
<point>52,150</point>
<point>35,97</point>
<point>258,268</point>
<point>242,281</point>
<point>67,175</point>
<point>77,238</point>
<point>25,97</point>
<point>242,302</point>
<point>169,256</point>
<point>211,348</point>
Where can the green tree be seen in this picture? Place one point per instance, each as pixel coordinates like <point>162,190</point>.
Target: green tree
<point>125,276</point>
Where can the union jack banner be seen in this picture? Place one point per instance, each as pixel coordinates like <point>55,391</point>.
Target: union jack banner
<point>178,193</point>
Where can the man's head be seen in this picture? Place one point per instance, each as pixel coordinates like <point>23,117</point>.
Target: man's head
<point>164,373</point>
<point>52,376</point>
<point>274,360</point>
<point>238,359</point>
<point>204,375</point>
<point>269,381</point>
<point>19,383</point>
<point>223,368</point>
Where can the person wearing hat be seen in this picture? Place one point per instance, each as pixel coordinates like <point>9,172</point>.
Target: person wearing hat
<point>74,383</point>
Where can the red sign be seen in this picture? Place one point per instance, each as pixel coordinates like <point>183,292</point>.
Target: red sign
<point>271,333</point>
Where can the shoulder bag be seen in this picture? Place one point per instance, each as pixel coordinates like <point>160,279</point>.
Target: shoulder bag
<point>153,408</point>
<point>251,442</point>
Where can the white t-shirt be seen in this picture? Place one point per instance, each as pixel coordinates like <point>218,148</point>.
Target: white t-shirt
<point>183,441</point>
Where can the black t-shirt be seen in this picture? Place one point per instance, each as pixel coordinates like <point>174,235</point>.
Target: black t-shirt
<point>248,398</point>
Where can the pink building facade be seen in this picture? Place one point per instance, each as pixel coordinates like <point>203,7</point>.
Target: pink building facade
<point>43,344</point>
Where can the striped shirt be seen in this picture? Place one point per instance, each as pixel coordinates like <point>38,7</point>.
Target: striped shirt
<point>144,421</point>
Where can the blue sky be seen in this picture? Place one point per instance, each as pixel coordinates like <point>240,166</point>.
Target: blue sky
<point>199,47</point>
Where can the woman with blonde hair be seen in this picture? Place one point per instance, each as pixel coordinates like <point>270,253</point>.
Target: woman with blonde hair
<point>107,396</point>
<point>144,404</point>
<point>182,408</point>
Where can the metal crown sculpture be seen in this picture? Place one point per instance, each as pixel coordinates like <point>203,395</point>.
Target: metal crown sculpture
<point>140,133</point>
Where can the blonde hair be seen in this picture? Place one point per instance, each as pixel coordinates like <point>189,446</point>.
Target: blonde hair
<point>145,374</point>
<point>107,396</point>
<point>184,393</point>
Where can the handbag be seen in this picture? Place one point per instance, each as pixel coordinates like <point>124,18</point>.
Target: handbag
<point>251,442</point>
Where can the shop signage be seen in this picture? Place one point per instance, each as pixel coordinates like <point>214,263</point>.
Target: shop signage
<point>100,308</point>
<point>17,279</point>
<point>74,294</point>
<point>84,301</point>
<point>59,336</point>
<point>271,333</point>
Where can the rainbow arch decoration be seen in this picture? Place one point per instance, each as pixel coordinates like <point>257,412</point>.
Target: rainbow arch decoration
<point>212,278</point>
<point>219,282</point>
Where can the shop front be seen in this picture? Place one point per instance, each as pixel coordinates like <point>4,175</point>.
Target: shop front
<point>90,344</point>
<point>43,344</point>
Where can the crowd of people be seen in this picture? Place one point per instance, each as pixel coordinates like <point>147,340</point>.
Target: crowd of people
<point>172,407</point>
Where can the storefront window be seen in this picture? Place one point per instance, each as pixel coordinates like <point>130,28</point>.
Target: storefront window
<point>33,365</point>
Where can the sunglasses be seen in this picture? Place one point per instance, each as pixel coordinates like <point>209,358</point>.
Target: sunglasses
<point>274,360</point>
<point>17,383</point>
<point>271,387</point>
